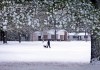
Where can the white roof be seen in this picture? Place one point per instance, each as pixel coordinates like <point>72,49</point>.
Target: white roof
<point>72,34</point>
<point>52,31</point>
<point>83,34</point>
<point>78,34</point>
<point>61,32</point>
<point>38,33</point>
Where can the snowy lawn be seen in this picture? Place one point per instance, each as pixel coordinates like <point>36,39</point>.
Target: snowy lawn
<point>48,66</point>
<point>61,51</point>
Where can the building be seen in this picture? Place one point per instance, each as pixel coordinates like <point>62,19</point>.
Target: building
<point>37,36</point>
<point>79,36</point>
<point>61,35</point>
<point>51,34</point>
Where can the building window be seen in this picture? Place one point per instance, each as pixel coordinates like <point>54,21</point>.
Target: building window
<point>85,36</point>
<point>74,36</point>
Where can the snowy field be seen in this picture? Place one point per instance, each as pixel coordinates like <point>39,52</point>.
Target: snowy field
<point>70,55</point>
<point>71,51</point>
<point>48,66</point>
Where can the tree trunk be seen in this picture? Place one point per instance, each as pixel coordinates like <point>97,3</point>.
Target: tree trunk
<point>95,49</point>
<point>19,35</point>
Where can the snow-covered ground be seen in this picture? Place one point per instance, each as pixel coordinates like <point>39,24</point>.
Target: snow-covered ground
<point>48,66</point>
<point>33,56</point>
<point>71,51</point>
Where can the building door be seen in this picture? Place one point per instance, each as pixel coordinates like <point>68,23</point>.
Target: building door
<point>62,37</point>
<point>45,37</point>
<point>39,38</point>
<point>52,37</point>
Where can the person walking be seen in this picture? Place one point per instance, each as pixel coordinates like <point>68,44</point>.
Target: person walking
<point>48,43</point>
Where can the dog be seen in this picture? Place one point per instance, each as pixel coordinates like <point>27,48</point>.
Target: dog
<point>45,46</point>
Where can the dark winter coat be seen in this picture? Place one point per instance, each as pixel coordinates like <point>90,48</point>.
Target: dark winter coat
<point>48,42</point>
